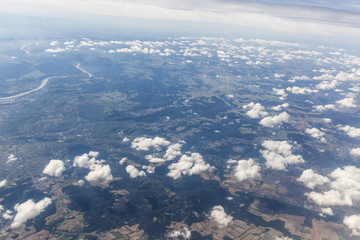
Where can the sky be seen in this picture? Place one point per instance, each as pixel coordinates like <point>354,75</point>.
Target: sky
<point>338,20</point>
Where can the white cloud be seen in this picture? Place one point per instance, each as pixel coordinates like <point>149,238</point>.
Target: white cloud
<point>278,154</point>
<point>327,120</point>
<point>55,168</point>
<point>149,169</point>
<point>312,179</point>
<point>153,159</point>
<point>353,223</point>
<point>280,92</point>
<point>220,217</point>
<point>329,198</point>
<point>280,107</point>
<point>247,169</point>
<point>99,172</point>
<point>184,234</point>
<point>275,120</point>
<point>326,85</point>
<point>7,215</point>
<point>56,50</point>
<point>173,151</point>
<point>188,165</point>
<point>125,139</point>
<point>355,152</point>
<point>86,160</point>
<point>347,102</point>
<point>143,143</point>
<point>3,183</point>
<point>256,110</point>
<point>327,211</point>
<point>124,159</point>
<point>316,133</point>
<point>299,90</point>
<point>28,210</point>
<point>350,131</point>
<point>130,169</point>
<point>283,238</point>
<point>322,108</point>
<point>11,158</point>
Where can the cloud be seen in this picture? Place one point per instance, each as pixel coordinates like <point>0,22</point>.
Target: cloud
<point>256,110</point>
<point>144,144</point>
<point>220,217</point>
<point>353,223</point>
<point>11,158</point>
<point>350,131</point>
<point>28,210</point>
<point>327,211</point>
<point>3,183</point>
<point>188,165</point>
<point>130,169</point>
<point>283,238</point>
<point>316,133</point>
<point>278,154</point>
<point>275,120</point>
<point>344,188</point>
<point>247,169</point>
<point>7,215</point>
<point>149,169</point>
<point>279,107</point>
<point>312,179</point>
<point>321,108</point>
<point>173,151</point>
<point>185,233</point>
<point>99,172</point>
<point>347,102</point>
<point>326,85</point>
<point>86,160</point>
<point>355,152</point>
<point>124,159</point>
<point>280,92</point>
<point>299,90</point>
<point>54,168</point>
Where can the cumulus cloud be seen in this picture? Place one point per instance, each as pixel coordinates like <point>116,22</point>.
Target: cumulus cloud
<point>124,159</point>
<point>256,110</point>
<point>326,85</point>
<point>143,143</point>
<point>3,183</point>
<point>280,92</point>
<point>173,151</point>
<point>312,179</point>
<point>327,211</point>
<point>153,159</point>
<point>299,90</point>
<point>149,169</point>
<point>278,154</point>
<point>219,215</point>
<point>344,188</point>
<point>247,169</point>
<point>353,223</point>
<point>134,172</point>
<point>275,120</point>
<point>185,233</point>
<point>322,108</point>
<point>188,165</point>
<point>355,152</point>
<point>28,210</point>
<point>86,160</point>
<point>99,172</point>
<point>316,133</point>
<point>8,215</point>
<point>280,107</point>
<point>348,102</point>
<point>55,168</point>
<point>11,158</point>
<point>350,131</point>
<point>283,238</point>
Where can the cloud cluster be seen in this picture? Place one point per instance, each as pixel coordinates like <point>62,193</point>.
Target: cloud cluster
<point>144,144</point>
<point>247,169</point>
<point>355,152</point>
<point>188,165</point>
<point>219,215</point>
<point>256,110</point>
<point>54,168</point>
<point>350,131</point>
<point>322,108</point>
<point>98,170</point>
<point>299,90</point>
<point>312,179</point>
<point>278,155</point>
<point>134,172</point>
<point>173,151</point>
<point>348,102</point>
<point>28,210</point>
<point>184,234</point>
<point>316,133</point>
<point>280,107</point>
<point>344,188</point>
<point>353,223</point>
<point>275,120</point>
<point>3,183</point>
